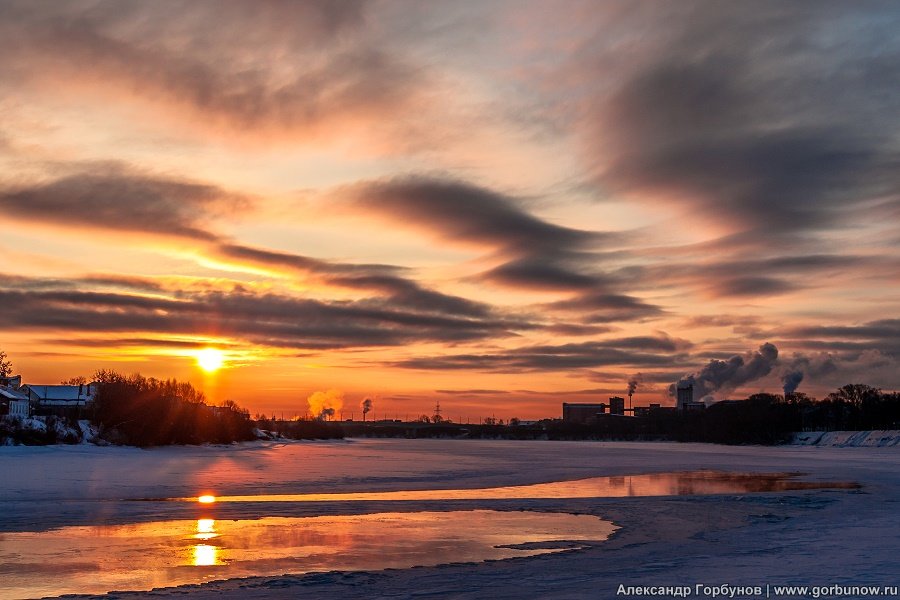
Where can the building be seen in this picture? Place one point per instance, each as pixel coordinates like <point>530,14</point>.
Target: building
<point>644,411</point>
<point>12,382</point>
<point>582,413</point>
<point>60,399</point>
<point>616,406</point>
<point>13,403</point>
<point>685,396</point>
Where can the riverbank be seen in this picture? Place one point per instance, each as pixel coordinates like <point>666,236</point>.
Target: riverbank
<point>814,537</point>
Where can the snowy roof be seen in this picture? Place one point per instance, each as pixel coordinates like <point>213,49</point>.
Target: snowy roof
<point>9,394</point>
<point>62,392</point>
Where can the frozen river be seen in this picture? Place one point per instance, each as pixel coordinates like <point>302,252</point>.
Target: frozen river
<point>681,514</point>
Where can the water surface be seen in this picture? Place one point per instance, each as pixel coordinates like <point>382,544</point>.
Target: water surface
<point>141,556</point>
<point>686,483</point>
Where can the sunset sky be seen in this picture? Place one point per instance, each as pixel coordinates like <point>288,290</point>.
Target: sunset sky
<point>500,205</point>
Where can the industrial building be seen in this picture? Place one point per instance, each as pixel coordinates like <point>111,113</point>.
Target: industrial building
<point>616,406</point>
<point>590,413</point>
<point>685,398</point>
<point>582,413</point>
<point>645,411</point>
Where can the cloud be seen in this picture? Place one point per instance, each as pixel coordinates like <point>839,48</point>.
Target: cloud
<point>600,307</point>
<point>259,318</point>
<point>747,274</point>
<point>752,286</point>
<point>660,350</point>
<point>879,329</point>
<point>462,212</point>
<point>276,70</point>
<point>882,336</point>
<point>114,196</point>
<point>535,254</point>
<point>773,118</point>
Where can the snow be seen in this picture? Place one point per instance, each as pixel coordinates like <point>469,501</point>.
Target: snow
<point>880,439</point>
<point>813,537</point>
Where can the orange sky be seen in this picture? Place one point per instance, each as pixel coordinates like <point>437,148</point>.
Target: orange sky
<point>501,206</point>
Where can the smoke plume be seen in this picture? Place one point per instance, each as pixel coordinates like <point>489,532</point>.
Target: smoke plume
<point>726,375</point>
<point>633,383</point>
<point>324,405</point>
<point>791,381</point>
<point>800,366</point>
<point>366,406</point>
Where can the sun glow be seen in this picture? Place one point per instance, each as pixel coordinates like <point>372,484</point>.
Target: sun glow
<point>210,359</point>
<point>205,555</point>
<point>206,499</point>
<point>206,529</point>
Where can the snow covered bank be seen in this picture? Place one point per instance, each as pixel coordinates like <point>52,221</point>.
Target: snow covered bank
<point>844,439</point>
<point>42,431</point>
<point>804,537</point>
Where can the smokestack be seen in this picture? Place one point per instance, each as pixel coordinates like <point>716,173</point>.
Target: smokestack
<point>633,384</point>
<point>366,407</point>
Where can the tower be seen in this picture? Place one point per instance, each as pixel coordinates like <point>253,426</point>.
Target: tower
<point>685,395</point>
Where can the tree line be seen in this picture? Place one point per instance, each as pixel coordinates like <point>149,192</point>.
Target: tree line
<point>758,419</point>
<point>144,411</point>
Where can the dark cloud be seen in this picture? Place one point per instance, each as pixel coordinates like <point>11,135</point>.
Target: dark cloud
<point>575,329</point>
<point>880,329</point>
<point>118,342</point>
<point>746,276</point>
<point>459,211</point>
<point>266,319</point>
<point>113,196</point>
<point>383,279</point>
<point>851,341</point>
<point>540,273</point>
<point>752,286</point>
<point>651,351</point>
<point>776,118</point>
<point>599,307</point>
<point>213,61</point>
<point>538,254</point>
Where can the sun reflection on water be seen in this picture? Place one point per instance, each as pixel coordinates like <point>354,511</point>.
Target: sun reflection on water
<point>205,556</point>
<point>101,558</point>
<point>206,529</point>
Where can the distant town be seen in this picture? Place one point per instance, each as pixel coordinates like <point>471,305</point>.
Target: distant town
<point>133,410</point>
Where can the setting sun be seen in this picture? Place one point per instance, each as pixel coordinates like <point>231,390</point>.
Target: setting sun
<point>206,499</point>
<point>210,359</point>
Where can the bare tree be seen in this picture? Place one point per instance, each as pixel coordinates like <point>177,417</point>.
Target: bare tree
<point>5,365</point>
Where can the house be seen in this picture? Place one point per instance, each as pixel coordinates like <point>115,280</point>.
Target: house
<point>12,382</point>
<point>60,399</point>
<point>13,403</point>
